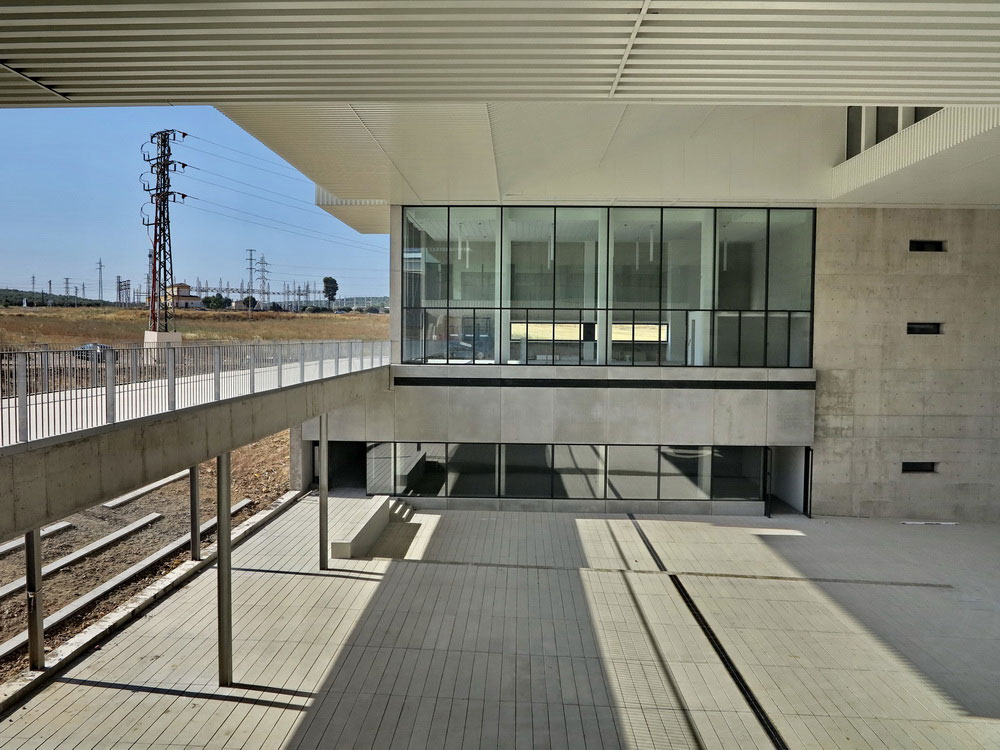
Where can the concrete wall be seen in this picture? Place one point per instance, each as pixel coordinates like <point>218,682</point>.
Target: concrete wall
<point>463,413</point>
<point>884,397</point>
<point>43,481</point>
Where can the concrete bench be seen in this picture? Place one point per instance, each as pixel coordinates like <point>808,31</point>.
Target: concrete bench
<point>355,524</point>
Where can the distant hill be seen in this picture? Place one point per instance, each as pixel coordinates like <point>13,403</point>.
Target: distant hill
<point>16,297</point>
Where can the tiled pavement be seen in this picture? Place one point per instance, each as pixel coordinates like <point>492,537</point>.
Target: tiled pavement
<point>559,630</point>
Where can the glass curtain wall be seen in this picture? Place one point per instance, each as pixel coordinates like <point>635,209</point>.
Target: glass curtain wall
<point>583,472</point>
<point>729,287</point>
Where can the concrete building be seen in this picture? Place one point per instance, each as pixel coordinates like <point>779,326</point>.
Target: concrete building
<point>645,256</point>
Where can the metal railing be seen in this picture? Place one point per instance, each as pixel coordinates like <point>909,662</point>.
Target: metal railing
<point>50,392</point>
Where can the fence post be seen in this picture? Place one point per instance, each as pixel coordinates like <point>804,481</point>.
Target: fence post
<point>253,358</point>
<point>44,357</point>
<point>110,362</point>
<point>33,589</point>
<point>217,371</point>
<point>281,361</point>
<point>21,387</point>
<point>320,358</point>
<point>93,368</point>
<point>336,359</point>
<point>171,379</point>
<point>302,362</point>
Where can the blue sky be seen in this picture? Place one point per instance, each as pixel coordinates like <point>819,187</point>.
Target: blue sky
<point>70,194</point>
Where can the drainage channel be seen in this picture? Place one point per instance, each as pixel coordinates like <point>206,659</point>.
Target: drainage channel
<point>765,721</point>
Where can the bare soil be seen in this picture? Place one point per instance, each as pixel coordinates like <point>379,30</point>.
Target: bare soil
<point>111,325</point>
<point>259,471</point>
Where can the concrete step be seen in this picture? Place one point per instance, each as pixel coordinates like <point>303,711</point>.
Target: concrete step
<point>400,510</point>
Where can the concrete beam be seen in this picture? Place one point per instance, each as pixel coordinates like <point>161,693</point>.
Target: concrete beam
<point>46,480</point>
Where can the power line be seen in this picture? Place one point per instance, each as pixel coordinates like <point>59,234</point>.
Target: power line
<point>265,190</point>
<point>245,164</point>
<point>250,184</point>
<point>258,197</point>
<point>333,238</point>
<point>245,153</point>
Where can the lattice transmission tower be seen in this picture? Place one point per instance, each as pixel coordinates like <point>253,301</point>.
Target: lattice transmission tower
<point>161,263</point>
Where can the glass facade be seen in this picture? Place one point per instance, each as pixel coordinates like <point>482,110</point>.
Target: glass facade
<point>560,285</point>
<point>582,472</point>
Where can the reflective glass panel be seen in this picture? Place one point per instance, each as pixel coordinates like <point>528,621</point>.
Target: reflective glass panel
<point>425,257</point>
<point>727,339</point>
<point>752,339</point>
<point>485,335</point>
<point>421,469</point>
<point>740,263</point>
<point>699,338</point>
<point>578,471</point>
<point>800,348</point>
<point>736,473</point>
<point>413,335</point>
<point>461,335</point>
<point>378,469</point>
<point>579,245</point>
<point>529,257</point>
<point>475,257</point>
<point>685,472</point>
<point>635,258</point>
<point>472,470</point>
<point>647,337</point>
<point>673,337</point>
<point>632,471</point>
<point>527,470</point>
<point>688,255</point>
<point>436,335</point>
<point>777,339</point>
<point>790,260</point>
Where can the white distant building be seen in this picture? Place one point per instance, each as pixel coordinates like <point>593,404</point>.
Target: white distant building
<point>179,297</point>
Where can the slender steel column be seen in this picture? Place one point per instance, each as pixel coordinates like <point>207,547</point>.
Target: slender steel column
<point>225,572</point>
<point>195,513</point>
<point>33,576</point>
<point>324,492</point>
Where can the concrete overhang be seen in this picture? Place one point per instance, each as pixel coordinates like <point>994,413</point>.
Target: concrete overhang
<point>952,158</point>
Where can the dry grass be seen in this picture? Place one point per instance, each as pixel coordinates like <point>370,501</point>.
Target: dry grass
<point>69,325</point>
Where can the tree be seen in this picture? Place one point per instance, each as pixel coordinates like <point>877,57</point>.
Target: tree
<point>275,307</point>
<point>250,302</point>
<point>216,302</point>
<point>330,287</point>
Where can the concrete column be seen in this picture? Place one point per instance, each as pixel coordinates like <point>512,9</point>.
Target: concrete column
<point>324,492</point>
<point>195,513</point>
<point>225,572</point>
<point>33,587</point>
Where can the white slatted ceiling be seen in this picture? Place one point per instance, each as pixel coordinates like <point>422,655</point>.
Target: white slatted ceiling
<point>711,51</point>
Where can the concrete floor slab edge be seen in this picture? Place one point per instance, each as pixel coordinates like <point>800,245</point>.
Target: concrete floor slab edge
<point>16,691</point>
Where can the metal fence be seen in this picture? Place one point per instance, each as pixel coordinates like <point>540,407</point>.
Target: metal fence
<point>51,392</point>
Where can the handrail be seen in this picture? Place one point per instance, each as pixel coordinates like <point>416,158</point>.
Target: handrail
<point>49,392</point>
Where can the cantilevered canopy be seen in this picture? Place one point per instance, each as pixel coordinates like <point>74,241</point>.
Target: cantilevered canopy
<point>704,51</point>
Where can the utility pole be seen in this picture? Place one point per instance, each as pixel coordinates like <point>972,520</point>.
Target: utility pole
<point>250,252</point>
<point>84,289</point>
<point>100,281</point>
<point>65,286</point>
<point>265,291</point>
<point>161,262</point>
<point>50,291</point>
<point>32,284</point>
